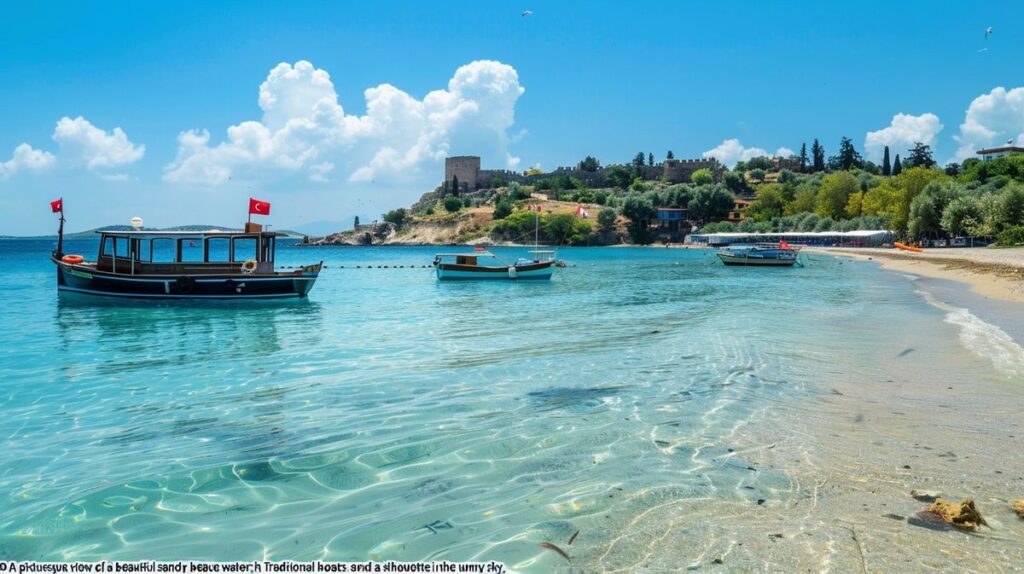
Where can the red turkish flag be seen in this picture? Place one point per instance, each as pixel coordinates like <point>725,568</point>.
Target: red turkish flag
<point>57,206</point>
<point>257,207</point>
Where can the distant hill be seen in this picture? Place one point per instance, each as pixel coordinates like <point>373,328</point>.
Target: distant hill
<point>92,232</point>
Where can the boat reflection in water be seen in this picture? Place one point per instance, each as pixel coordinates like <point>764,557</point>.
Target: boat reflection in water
<point>760,254</point>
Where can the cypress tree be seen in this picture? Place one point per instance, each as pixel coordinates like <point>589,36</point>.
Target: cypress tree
<point>670,156</point>
<point>455,185</point>
<point>897,167</point>
<point>803,157</point>
<point>650,159</point>
<point>886,166</point>
<point>819,156</point>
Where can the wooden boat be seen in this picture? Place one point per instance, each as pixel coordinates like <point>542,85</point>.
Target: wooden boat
<point>759,254</point>
<point>182,265</point>
<point>454,266</point>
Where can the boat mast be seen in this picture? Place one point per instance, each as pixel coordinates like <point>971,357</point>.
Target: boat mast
<point>59,252</point>
<point>537,231</point>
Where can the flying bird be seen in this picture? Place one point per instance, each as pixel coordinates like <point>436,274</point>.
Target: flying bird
<point>988,32</point>
<point>530,13</point>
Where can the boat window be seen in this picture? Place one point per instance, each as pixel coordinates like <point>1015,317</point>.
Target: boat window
<point>162,250</point>
<point>118,245</point>
<point>190,250</point>
<point>244,248</point>
<point>142,250</point>
<point>218,249</point>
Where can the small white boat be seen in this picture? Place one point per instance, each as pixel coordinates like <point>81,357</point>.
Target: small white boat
<point>454,266</point>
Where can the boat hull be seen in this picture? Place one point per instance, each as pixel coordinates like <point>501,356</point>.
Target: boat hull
<point>82,280</point>
<point>455,272</point>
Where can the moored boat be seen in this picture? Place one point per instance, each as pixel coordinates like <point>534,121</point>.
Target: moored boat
<point>759,254</point>
<point>452,266</point>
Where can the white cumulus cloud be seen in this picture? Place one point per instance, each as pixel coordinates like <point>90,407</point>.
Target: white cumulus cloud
<point>82,143</point>
<point>25,158</point>
<point>304,130</point>
<point>901,134</point>
<point>991,120</point>
<point>731,151</point>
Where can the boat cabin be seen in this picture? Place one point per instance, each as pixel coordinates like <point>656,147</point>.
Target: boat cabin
<point>184,252</point>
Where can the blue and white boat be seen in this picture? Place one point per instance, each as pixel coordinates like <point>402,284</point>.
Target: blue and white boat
<point>455,266</point>
<point>759,254</point>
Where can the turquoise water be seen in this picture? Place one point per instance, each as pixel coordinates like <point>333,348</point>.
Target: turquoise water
<point>393,417</point>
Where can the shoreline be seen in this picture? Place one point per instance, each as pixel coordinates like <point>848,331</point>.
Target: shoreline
<point>993,274</point>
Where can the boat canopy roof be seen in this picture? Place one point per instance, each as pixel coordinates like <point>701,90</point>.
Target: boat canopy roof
<point>468,254</point>
<point>142,233</point>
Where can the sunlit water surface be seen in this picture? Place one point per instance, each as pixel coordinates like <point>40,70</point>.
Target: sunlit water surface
<point>392,417</point>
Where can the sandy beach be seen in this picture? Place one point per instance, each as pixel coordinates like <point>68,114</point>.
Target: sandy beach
<point>991,273</point>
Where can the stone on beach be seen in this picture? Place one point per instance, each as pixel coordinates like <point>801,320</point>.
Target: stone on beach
<point>1018,507</point>
<point>925,495</point>
<point>963,515</point>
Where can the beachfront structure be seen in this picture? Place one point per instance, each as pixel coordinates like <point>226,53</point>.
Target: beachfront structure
<point>739,206</point>
<point>998,152</point>
<point>859,238</point>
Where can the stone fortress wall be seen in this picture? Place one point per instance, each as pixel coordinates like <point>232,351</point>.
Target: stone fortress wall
<point>466,168</point>
<point>471,177</point>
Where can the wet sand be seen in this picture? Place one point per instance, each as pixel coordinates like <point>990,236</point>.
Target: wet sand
<point>991,273</point>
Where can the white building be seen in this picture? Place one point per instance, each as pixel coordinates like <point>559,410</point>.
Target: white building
<point>997,152</point>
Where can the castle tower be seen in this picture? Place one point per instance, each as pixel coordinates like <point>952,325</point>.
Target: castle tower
<point>465,167</point>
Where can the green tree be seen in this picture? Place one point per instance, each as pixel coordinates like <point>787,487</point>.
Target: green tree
<point>638,184</point>
<point>452,204</point>
<point>638,161</point>
<point>803,157</point>
<point>804,200</point>
<point>952,169</point>
<point>455,185</point>
<point>855,205</point>
<point>650,159</point>
<point>710,202</point>
<point>639,210</point>
<point>847,158</point>
<point>770,203</point>
<point>619,177</point>
<point>606,220</point>
<point>702,176</point>
<point>834,194</point>
<point>757,174</point>
<point>924,219</point>
<point>502,209</point>
<point>920,156</point>
<point>498,181</point>
<point>396,216</point>
<point>818,154</point>
<point>670,156</point>
<point>355,222</point>
<point>733,181</point>
<point>897,167</point>
<point>961,217</point>
<point>886,165</point>
<point>589,163</point>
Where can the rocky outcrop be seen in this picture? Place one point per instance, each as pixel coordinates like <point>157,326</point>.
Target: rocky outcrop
<point>373,234</point>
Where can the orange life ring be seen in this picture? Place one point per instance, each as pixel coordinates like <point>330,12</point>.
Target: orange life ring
<point>72,259</point>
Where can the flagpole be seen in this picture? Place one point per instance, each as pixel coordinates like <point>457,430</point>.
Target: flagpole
<point>60,231</point>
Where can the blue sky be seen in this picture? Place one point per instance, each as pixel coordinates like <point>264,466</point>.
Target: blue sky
<point>601,78</point>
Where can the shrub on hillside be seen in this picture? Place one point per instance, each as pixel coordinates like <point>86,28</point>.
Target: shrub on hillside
<point>452,204</point>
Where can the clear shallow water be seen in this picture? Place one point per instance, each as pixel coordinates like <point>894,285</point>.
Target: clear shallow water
<point>392,417</point>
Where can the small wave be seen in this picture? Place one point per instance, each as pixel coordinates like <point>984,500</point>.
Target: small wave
<point>983,339</point>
